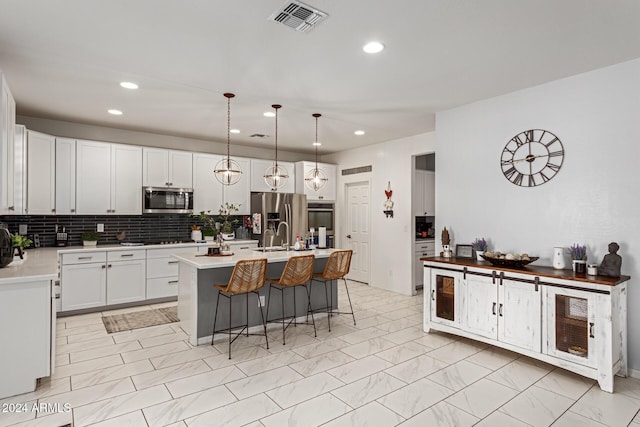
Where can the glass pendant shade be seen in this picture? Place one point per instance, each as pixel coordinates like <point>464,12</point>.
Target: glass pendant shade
<point>315,179</point>
<point>276,176</point>
<point>227,170</point>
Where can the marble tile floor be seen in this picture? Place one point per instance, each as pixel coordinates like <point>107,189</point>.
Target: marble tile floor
<point>384,371</point>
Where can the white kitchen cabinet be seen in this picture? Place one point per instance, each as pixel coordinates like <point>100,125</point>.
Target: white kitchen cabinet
<point>41,174</point>
<point>65,182</point>
<point>207,190</point>
<point>7,136</point>
<point>258,169</point>
<point>126,276</point>
<point>239,194</point>
<point>167,168</point>
<point>126,179</point>
<point>83,285</point>
<point>328,192</point>
<point>422,249</point>
<point>108,178</point>
<point>424,201</point>
<point>575,322</point>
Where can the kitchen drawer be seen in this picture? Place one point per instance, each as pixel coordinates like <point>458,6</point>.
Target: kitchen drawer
<point>162,267</point>
<point>244,245</point>
<point>164,253</point>
<point>126,255</point>
<point>162,287</point>
<point>84,257</point>
<point>425,246</point>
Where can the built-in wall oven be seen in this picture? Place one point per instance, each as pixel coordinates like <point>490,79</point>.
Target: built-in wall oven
<point>321,215</point>
<point>167,200</point>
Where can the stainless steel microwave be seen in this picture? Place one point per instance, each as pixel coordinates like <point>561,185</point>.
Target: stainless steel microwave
<point>167,200</point>
<point>321,215</point>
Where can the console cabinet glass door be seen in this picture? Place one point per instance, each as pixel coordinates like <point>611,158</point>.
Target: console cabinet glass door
<point>571,326</point>
<point>444,297</point>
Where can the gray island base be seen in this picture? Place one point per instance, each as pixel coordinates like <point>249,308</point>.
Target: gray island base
<point>197,297</point>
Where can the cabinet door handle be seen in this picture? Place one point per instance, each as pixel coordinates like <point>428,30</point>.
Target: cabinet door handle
<point>172,281</point>
<point>433,295</point>
<point>591,325</point>
<point>12,208</point>
<point>493,309</point>
<point>109,265</point>
<point>53,210</point>
<point>104,266</point>
<point>84,257</point>
<point>73,210</point>
<point>125,255</point>
<point>500,310</point>
<point>172,262</point>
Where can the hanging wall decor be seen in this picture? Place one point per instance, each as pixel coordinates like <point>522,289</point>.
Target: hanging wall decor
<point>388,204</point>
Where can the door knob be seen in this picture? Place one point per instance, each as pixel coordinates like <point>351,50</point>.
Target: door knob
<point>348,236</point>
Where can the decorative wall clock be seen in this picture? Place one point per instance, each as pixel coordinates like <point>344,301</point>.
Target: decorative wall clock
<point>532,158</point>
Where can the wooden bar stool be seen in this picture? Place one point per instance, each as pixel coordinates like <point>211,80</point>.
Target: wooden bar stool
<point>248,276</point>
<point>337,267</point>
<point>297,272</point>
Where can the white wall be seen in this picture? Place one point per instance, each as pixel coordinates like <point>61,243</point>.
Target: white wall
<point>593,200</point>
<point>392,248</point>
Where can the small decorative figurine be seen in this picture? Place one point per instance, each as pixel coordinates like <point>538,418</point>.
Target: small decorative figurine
<point>612,262</point>
<point>388,204</point>
<point>446,241</point>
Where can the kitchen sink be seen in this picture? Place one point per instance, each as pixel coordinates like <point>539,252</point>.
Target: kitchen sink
<point>271,249</point>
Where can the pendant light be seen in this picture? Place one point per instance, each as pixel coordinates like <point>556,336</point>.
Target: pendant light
<point>227,170</point>
<point>276,176</point>
<point>316,178</point>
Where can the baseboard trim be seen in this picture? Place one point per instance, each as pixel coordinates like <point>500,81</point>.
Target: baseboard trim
<point>633,373</point>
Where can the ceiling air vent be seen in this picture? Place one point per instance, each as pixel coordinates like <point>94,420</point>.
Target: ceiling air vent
<point>299,16</point>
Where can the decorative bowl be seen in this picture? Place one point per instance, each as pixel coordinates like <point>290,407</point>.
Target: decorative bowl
<point>513,263</point>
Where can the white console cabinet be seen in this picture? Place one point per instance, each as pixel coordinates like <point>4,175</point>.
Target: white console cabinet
<point>576,322</point>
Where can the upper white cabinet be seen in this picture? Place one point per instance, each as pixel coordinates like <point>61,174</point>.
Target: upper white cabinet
<point>258,184</point>
<point>424,193</point>
<point>109,178</point>
<point>41,174</point>
<point>167,168</point>
<point>7,135</point>
<point>207,191</point>
<point>239,194</point>
<point>19,172</point>
<point>326,193</point>
<point>65,176</point>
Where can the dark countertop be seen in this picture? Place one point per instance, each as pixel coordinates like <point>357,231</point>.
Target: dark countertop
<point>543,271</point>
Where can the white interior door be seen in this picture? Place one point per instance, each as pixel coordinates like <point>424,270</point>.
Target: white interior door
<point>357,230</point>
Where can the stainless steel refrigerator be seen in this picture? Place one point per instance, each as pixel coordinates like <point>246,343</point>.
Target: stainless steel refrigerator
<point>274,209</point>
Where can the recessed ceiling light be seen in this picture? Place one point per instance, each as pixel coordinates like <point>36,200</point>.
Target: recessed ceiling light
<point>129,85</point>
<point>115,112</point>
<point>317,143</point>
<point>235,131</point>
<point>269,114</point>
<point>359,132</point>
<point>373,47</point>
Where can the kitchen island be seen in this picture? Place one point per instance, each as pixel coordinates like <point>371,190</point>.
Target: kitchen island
<point>27,321</point>
<point>197,297</point>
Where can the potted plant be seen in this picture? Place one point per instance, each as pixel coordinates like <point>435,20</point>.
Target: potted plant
<point>90,238</point>
<point>578,257</point>
<point>20,242</point>
<point>480,245</point>
<point>209,229</point>
<point>228,225</point>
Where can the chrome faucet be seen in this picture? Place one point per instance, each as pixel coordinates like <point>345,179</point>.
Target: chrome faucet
<point>286,235</point>
<point>264,238</point>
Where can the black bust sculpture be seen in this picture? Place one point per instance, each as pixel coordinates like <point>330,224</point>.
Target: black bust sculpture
<point>612,262</point>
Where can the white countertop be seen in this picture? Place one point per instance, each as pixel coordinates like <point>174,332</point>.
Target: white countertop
<point>204,262</point>
<point>76,249</point>
<point>38,264</point>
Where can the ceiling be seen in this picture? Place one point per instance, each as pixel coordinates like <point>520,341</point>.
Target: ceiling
<point>64,60</point>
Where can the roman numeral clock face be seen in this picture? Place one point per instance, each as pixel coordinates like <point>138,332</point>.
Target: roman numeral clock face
<point>532,158</point>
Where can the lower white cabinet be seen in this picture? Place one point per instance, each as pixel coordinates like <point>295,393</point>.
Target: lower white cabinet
<point>578,323</point>
<point>422,249</point>
<point>83,285</point>
<point>126,276</point>
<point>162,274</point>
